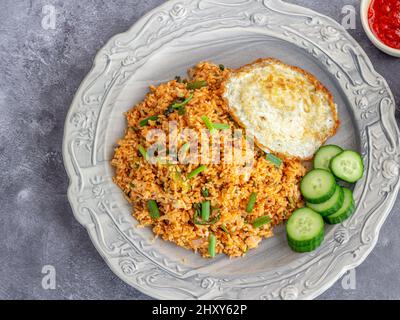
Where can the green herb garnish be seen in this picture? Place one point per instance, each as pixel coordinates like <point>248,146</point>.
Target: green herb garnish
<point>221,126</point>
<point>145,122</point>
<point>153,209</point>
<point>197,85</point>
<point>195,172</point>
<point>274,159</point>
<point>261,221</point>
<point>212,245</point>
<point>185,148</point>
<point>205,210</point>
<point>251,202</point>
<point>208,124</point>
<point>177,106</point>
<point>143,152</point>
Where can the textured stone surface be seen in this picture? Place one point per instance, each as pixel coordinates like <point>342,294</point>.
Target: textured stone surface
<point>39,72</point>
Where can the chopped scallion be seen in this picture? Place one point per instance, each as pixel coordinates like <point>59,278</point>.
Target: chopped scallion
<point>153,209</point>
<point>205,210</point>
<point>185,148</point>
<point>145,122</point>
<point>212,243</point>
<point>221,126</point>
<point>195,172</point>
<point>197,84</point>
<point>208,123</point>
<point>143,152</point>
<point>185,102</point>
<point>259,222</point>
<point>198,212</point>
<point>274,159</point>
<point>251,202</point>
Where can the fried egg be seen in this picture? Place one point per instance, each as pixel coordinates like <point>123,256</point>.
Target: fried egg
<point>289,112</point>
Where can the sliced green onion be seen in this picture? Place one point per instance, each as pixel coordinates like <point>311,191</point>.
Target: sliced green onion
<point>208,124</point>
<point>205,210</point>
<point>221,126</point>
<point>145,122</point>
<point>261,221</point>
<point>176,105</point>
<point>251,202</point>
<point>223,227</point>
<point>180,105</point>
<point>221,67</point>
<point>197,85</point>
<point>212,243</point>
<point>274,159</point>
<point>153,209</point>
<point>185,147</point>
<point>195,172</point>
<point>205,193</point>
<point>143,152</point>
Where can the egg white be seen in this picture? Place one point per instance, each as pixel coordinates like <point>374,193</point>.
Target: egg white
<point>284,108</point>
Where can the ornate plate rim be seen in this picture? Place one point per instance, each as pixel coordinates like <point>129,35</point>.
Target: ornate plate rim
<point>290,290</point>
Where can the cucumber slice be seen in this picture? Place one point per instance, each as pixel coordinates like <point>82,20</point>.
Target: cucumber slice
<point>345,211</point>
<point>348,166</point>
<point>318,186</point>
<point>324,156</point>
<point>307,248</point>
<point>305,230</point>
<point>330,206</point>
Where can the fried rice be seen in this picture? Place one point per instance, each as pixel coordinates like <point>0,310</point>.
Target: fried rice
<point>228,184</point>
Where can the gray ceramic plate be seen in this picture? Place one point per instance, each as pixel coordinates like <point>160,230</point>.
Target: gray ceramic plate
<point>165,43</point>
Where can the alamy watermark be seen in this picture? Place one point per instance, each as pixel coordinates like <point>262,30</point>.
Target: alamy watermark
<point>349,19</point>
<point>349,280</point>
<point>49,17</point>
<point>49,277</point>
<point>204,146</point>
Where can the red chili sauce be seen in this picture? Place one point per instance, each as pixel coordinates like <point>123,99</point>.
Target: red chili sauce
<point>384,20</point>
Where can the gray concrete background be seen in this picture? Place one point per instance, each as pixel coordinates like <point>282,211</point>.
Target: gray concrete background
<point>40,71</point>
